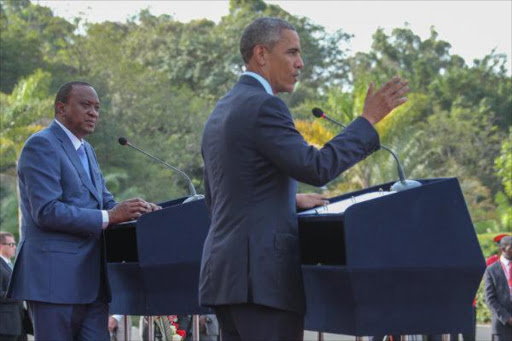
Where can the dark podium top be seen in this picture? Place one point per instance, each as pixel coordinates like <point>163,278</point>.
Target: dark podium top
<point>405,263</point>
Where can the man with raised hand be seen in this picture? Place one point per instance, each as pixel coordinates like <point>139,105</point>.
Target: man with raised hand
<point>253,156</point>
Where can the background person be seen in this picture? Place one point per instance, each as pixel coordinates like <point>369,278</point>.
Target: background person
<point>11,311</point>
<point>498,291</point>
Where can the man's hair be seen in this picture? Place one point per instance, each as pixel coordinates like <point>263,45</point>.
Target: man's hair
<point>505,241</point>
<point>4,235</point>
<point>64,90</point>
<point>264,31</point>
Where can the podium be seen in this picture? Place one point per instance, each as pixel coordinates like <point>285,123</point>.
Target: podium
<point>404,263</point>
<point>153,263</point>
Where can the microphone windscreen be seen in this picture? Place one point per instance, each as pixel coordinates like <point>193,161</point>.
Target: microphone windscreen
<point>317,112</point>
<point>122,141</point>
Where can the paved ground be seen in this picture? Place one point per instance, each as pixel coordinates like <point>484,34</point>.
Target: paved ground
<point>483,333</point>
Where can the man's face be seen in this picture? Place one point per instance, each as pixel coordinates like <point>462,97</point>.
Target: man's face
<point>81,112</point>
<point>6,249</point>
<point>284,62</point>
<point>507,251</point>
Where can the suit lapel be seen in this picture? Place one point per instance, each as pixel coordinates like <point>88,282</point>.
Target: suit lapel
<point>72,154</point>
<point>5,266</point>
<point>93,165</point>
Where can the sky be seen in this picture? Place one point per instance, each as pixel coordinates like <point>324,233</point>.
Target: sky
<point>473,28</point>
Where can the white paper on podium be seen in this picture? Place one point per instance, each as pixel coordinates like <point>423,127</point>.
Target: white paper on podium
<point>342,205</point>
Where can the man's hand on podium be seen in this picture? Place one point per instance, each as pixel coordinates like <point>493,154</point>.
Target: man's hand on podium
<point>130,209</point>
<point>310,200</point>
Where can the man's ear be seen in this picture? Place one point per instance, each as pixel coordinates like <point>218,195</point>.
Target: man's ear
<point>60,108</point>
<point>259,54</point>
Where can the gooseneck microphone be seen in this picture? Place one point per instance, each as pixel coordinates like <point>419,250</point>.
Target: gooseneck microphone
<point>193,194</point>
<point>401,185</point>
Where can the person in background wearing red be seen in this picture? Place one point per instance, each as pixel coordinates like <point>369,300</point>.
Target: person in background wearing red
<point>496,256</point>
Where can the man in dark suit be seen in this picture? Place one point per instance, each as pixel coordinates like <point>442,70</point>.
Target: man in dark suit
<point>60,267</point>
<point>11,311</point>
<point>253,156</point>
<point>498,291</point>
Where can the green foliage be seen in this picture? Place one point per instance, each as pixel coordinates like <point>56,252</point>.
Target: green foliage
<point>503,164</point>
<point>23,113</point>
<point>8,205</point>
<point>32,38</point>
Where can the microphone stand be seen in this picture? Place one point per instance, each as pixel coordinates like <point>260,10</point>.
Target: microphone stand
<point>194,196</point>
<point>398,186</point>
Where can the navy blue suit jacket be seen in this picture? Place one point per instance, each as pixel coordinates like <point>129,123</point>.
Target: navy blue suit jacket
<point>60,255</point>
<point>253,156</point>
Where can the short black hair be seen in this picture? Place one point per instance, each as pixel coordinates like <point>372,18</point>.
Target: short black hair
<point>64,90</point>
<point>262,31</point>
<point>505,241</point>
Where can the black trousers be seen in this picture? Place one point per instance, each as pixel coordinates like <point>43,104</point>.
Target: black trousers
<point>253,322</point>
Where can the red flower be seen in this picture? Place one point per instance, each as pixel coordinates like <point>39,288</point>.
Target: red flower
<point>181,332</point>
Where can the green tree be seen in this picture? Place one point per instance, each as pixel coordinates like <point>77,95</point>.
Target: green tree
<point>32,38</point>
<point>25,111</point>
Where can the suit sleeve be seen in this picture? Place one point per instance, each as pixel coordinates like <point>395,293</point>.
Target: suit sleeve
<point>491,298</point>
<point>278,140</point>
<point>40,174</point>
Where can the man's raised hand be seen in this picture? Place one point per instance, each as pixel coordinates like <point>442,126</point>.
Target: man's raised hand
<point>380,103</point>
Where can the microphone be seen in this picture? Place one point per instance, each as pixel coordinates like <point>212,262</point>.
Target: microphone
<point>398,186</point>
<point>194,196</point>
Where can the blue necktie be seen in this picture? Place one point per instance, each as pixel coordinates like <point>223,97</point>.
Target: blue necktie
<point>85,161</point>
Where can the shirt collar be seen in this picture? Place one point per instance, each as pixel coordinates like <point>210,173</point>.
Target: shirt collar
<point>6,259</point>
<point>262,80</point>
<point>504,260</point>
<point>75,140</point>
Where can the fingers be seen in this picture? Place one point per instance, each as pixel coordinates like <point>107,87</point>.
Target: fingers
<point>133,208</point>
<point>370,89</point>
<point>389,85</point>
<point>399,101</point>
<point>310,200</point>
<point>154,207</point>
<point>380,103</point>
<point>317,196</point>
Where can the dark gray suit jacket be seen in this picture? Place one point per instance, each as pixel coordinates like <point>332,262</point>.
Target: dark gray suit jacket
<point>253,154</point>
<point>497,297</point>
<point>10,310</point>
